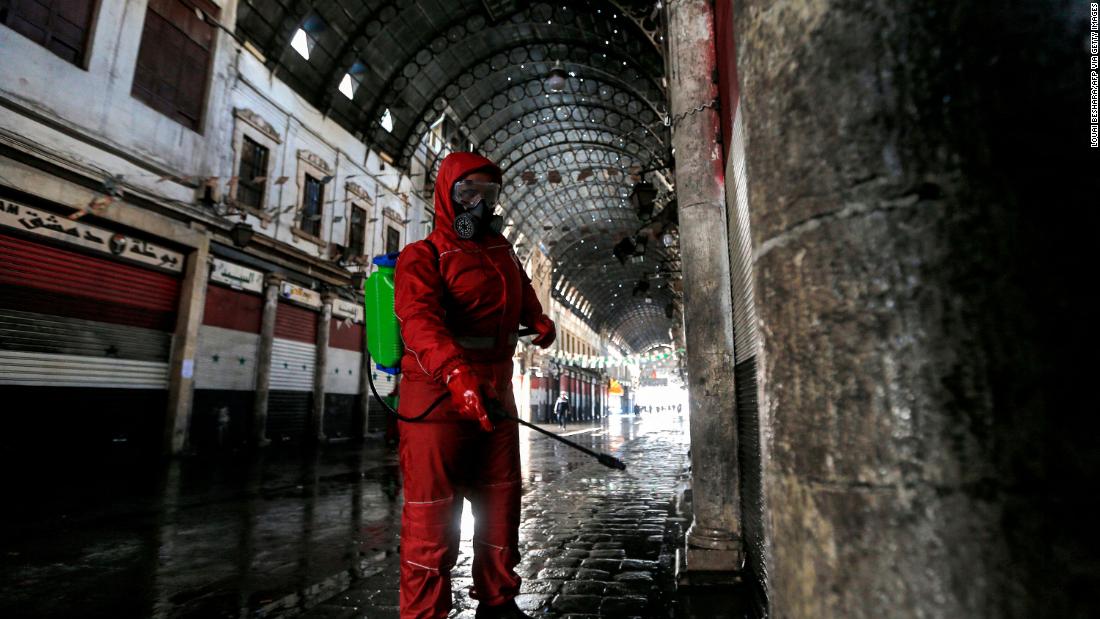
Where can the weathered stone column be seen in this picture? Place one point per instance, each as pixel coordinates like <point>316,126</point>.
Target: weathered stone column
<point>921,263</point>
<point>714,539</point>
<point>263,359</point>
<point>320,373</point>
<point>181,383</point>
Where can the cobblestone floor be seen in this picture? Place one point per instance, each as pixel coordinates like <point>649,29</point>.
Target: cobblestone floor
<point>591,538</point>
<point>287,534</point>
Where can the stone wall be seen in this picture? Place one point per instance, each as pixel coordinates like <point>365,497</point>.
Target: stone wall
<point>918,177</point>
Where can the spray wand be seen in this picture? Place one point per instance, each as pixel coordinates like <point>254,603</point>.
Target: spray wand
<point>496,411</point>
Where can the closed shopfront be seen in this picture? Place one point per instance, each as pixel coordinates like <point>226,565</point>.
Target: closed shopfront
<point>343,416</point>
<point>538,399</point>
<point>225,365</point>
<point>293,357</point>
<point>86,322</point>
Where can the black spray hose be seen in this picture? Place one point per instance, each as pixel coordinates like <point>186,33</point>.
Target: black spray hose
<point>496,411</point>
<point>386,405</point>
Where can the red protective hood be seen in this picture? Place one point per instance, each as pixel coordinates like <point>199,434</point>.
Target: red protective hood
<point>454,167</point>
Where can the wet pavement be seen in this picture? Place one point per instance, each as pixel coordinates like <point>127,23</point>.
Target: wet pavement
<point>317,536</point>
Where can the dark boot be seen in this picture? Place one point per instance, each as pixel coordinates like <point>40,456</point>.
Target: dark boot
<point>507,610</point>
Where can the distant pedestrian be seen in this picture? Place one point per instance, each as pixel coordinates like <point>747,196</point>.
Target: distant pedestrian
<point>561,410</point>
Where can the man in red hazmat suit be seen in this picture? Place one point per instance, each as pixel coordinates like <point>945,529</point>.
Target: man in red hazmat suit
<point>461,295</point>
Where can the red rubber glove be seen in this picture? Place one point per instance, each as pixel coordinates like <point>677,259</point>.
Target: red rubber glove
<point>470,396</point>
<point>547,332</point>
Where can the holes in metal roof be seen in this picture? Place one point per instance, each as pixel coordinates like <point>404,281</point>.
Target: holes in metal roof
<point>347,86</point>
<point>302,43</point>
<point>352,79</point>
<point>305,37</point>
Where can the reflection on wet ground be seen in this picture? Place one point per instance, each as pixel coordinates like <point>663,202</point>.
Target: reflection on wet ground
<point>282,532</point>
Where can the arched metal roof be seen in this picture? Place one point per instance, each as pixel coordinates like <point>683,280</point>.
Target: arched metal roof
<point>570,157</point>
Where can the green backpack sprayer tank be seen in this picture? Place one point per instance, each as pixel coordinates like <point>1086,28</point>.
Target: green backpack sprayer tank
<point>383,330</point>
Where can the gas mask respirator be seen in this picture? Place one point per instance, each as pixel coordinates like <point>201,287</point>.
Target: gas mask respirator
<point>474,202</point>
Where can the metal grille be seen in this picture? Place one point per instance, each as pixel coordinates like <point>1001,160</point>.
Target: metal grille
<point>312,205</point>
<point>744,307</point>
<point>296,323</point>
<point>233,309</point>
<point>43,333</point>
<point>39,369</point>
<point>292,365</point>
<point>287,413</point>
<point>67,319</point>
<point>343,371</point>
<point>42,267</point>
<point>226,359</point>
<point>250,191</point>
<point>341,418</point>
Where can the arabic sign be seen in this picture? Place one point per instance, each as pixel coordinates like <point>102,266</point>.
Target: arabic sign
<point>236,276</point>
<point>305,296</point>
<point>347,309</point>
<point>43,223</point>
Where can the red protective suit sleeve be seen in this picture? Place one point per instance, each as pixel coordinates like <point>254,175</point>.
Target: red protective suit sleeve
<point>530,308</point>
<point>418,303</point>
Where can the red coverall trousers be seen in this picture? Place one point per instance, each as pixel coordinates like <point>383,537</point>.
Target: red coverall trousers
<point>443,460</point>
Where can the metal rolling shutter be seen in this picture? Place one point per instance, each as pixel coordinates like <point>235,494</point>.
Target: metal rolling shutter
<point>72,320</point>
<point>741,260</point>
<point>293,358</point>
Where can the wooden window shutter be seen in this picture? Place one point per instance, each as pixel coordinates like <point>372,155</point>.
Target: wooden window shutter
<point>60,26</point>
<point>174,60</point>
